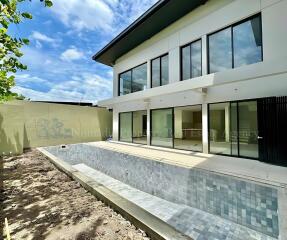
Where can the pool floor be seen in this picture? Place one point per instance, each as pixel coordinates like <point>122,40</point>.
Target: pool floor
<point>193,222</point>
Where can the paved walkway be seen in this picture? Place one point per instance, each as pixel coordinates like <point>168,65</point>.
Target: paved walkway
<point>193,222</point>
<point>239,167</point>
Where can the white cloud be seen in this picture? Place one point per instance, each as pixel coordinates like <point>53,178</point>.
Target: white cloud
<point>71,54</point>
<point>109,16</point>
<point>84,14</point>
<point>42,37</point>
<point>82,88</point>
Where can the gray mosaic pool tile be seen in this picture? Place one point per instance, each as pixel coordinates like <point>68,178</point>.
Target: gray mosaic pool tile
<point>244,202</point>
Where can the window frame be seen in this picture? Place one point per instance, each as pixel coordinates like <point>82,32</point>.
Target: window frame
<point>190,57</point>
<point>129,70</point>
<point>132,127</point>
<point>160,69</point>
<point>231,26</point>
<point>237,109</point>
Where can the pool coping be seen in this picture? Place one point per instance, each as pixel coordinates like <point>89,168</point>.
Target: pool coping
<point>259,180</point>
<point>153,226</point>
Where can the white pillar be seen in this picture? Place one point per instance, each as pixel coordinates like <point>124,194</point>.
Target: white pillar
<point>205,142</point>
<point>227,123</point>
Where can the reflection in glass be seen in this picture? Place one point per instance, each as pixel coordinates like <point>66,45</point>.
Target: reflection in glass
<point>140,127</point>
<point>126,127</point>
<point>219,128</point>
<point>139,78</point>
<point>247,42</point>
<point>161,123</point>
<point>164,70</point>
<point>125,83</point>
<point>220,51</point>
<point>188,128</point>
<point>248,129</point>
<point>196,59</point>
<point>185,65</point>
<point>155,72</point>
<point>234,129</point>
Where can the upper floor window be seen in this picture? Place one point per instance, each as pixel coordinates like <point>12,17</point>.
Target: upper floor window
<point>133,80</point>
<point>159,71</point>
<point>235,46</point>
<point>191,60</point>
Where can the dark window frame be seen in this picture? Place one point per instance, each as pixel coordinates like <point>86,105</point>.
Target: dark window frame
<point>132,126</point>
<point>160,69</point>
<point>231,26</point>
<point>237,109</point>
<point>129,70</point>
<point>190,57</point>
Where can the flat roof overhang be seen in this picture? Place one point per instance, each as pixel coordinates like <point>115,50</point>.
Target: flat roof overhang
<point>158,17</point>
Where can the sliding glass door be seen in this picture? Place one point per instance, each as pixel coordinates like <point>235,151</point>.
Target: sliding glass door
<point>233,129</point>
<point>125,127</point>
<point>162,127</point>
<point>188,128</point>
<point>140,127</point>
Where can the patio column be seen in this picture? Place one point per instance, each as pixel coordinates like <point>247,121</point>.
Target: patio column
<point>205,142</point>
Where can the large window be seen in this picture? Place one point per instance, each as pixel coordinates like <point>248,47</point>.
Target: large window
<point>188,128</point>
<point>159,71</point>
<point>235,46</point>
<point>162,127</point>
<point>133,80</point>
<point>191,60</point>
<point>233,129</point>
<point>133,127</point>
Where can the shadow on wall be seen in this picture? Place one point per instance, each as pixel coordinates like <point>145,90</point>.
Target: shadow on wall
<point>8,145</point>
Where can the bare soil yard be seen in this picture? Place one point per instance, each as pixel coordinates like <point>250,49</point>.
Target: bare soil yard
<point>41,202</point>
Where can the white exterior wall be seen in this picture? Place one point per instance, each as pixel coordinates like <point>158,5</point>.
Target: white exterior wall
<point>267,78</point>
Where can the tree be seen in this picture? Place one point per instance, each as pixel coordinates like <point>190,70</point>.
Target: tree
<point>10,53</point>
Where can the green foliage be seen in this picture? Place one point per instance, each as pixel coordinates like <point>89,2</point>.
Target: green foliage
<point>10,53</point>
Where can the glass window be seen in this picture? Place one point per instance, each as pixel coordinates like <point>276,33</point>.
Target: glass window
<point>126,127</point>
<point>235,46</point>
<point>247,42</point>
<point>220,51</point>
<point>186,62</point>
<point>133,80</point>
<point>188,128</point>
<point>125,83</point>
<point>191,60</point>
<point>155,72</point>
<point>196,59</point>
<point>140,127</point>
<point>219,134</point>
<point>139,78</point>
<point>162,127</point>
<point>160,71</point>
<point>164,70</point>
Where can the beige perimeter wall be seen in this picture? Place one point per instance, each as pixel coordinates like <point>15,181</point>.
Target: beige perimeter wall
<point>26,124</point>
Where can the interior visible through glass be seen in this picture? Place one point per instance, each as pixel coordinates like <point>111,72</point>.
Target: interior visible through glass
<point>140,127</point>
<point>188,128</point>
<point>161,122</point>
<point>233,129</point>
<point>126,127</point>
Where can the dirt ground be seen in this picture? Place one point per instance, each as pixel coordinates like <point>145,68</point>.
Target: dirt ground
<point>41,202</point>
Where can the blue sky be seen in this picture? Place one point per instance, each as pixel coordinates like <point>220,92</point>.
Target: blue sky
<point>62,42</point>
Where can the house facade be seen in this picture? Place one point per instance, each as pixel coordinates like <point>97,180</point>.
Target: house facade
<point>205,75</point>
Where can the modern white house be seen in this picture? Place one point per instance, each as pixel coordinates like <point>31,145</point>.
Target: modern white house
<point>203,75</point>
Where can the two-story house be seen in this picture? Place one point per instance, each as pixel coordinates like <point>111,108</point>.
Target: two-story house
<point>203,75</point>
